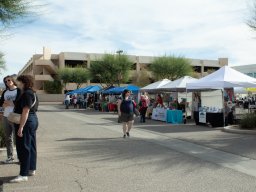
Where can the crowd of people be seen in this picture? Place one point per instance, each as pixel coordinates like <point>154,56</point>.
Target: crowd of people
<point>79,101</point>
<point>245,102</point>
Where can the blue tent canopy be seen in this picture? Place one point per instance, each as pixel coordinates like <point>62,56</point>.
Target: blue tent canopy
<point>88,89</point>
<point>94,89</point>
<point>119,90</point>
<point>132,88</point>
<point>107,90</point>
<point>79,90</point>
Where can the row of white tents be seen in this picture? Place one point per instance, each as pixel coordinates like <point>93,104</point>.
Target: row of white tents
<point>225,77</point>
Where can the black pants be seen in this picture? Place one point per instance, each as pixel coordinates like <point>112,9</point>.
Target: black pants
<point>143,114</point>
<point>26,145</point>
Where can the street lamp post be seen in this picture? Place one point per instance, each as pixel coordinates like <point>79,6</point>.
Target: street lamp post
<point>119,75</point>
<point>119,51</point>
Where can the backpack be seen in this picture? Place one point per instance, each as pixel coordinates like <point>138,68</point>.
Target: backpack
<point>127,106</point>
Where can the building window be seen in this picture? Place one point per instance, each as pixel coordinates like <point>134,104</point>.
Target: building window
<point>134,66</point>
<point>210,69</point>
<point>75,63</point>
<point>197,69</point>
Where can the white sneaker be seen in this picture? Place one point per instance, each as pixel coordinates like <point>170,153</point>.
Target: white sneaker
<point>19,179</point>
<point>9,160</point>
<point>32,172</point>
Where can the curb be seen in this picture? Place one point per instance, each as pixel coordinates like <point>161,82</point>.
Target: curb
<point>234,129</point>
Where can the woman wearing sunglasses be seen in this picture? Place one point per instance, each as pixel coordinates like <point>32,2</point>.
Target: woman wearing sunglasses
<point>8,98</point>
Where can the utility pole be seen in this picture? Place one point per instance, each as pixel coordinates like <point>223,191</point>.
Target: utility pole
<point>119,72</point>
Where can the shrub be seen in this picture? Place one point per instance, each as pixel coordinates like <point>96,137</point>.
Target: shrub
<point>53,87</point>
<point>248,121</point>
<point>2,137</point>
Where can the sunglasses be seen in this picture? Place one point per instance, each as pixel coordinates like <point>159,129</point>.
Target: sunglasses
<point>8,80</point>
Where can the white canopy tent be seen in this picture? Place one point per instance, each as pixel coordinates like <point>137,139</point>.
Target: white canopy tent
<point>178,84</point>
<point>225,77</point>
<point>154,86</point>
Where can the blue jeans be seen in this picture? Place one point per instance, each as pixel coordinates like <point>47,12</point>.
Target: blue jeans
<point>26,145</point>
<point>67,103</point>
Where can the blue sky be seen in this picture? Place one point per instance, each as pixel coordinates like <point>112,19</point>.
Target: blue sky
<point>199,29</point>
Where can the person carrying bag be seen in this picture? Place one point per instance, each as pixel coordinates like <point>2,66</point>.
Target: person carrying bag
<point>26,106</point>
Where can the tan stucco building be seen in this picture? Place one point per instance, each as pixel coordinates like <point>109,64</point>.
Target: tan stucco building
<point>247,69</point>
<point>44,66</point>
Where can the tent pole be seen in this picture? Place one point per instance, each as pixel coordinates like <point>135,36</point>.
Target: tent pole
<point>223,105</point>
<point>186,105</point>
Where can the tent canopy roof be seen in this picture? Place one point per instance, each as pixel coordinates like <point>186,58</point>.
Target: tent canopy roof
<point>87,89</point>
<point>119,90</point>
<point>225,77</point>
<point>155,85</point>
<point>178,84</point>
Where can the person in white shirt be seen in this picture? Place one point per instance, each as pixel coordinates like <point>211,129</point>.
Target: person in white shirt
<point>67,101</point>
<point>8,98</point>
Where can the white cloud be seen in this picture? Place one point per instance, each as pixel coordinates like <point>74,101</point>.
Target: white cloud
<point>206,29</point>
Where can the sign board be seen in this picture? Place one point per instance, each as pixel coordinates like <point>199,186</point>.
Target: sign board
<point>159,114</point>
<point>202,117</point>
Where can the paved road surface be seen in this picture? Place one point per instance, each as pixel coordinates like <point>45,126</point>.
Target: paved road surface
<point>85,151</point>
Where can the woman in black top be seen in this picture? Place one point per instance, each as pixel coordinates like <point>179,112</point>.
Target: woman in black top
<point>26,105</point>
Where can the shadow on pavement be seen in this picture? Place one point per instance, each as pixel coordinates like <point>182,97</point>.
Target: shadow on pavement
<point>87,139</point>
<point>141,152</point>
<point>6,179</point>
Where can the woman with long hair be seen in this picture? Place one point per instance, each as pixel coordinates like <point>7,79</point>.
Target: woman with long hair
<point>126,107</point>
<point>8,98</point>
<point>26,105</point>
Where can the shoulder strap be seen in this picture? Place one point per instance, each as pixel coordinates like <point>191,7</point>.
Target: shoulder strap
<point>34,101</point>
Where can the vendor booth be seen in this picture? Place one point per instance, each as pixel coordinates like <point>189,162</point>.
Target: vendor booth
<point>177,90</point>
<point>175,100</point>
<point>114,93</point>
<point>225,79</point>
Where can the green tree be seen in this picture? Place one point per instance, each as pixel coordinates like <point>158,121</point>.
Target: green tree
<point>111,69</point>
<point>79,75</point>
<point>53,87</point>
<point>14,12</point>
<point>65,75</point>
<point>170,67</point>
<point>141,78</point>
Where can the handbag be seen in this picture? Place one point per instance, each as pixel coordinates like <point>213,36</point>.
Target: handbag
<point>15,117</point>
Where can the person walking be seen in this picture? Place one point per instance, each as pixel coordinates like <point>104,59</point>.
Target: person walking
<point>67,101</point>
<point>8,98</point>
<point>126,108</point>
<point>143,108</point>
<point>26,105</point>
